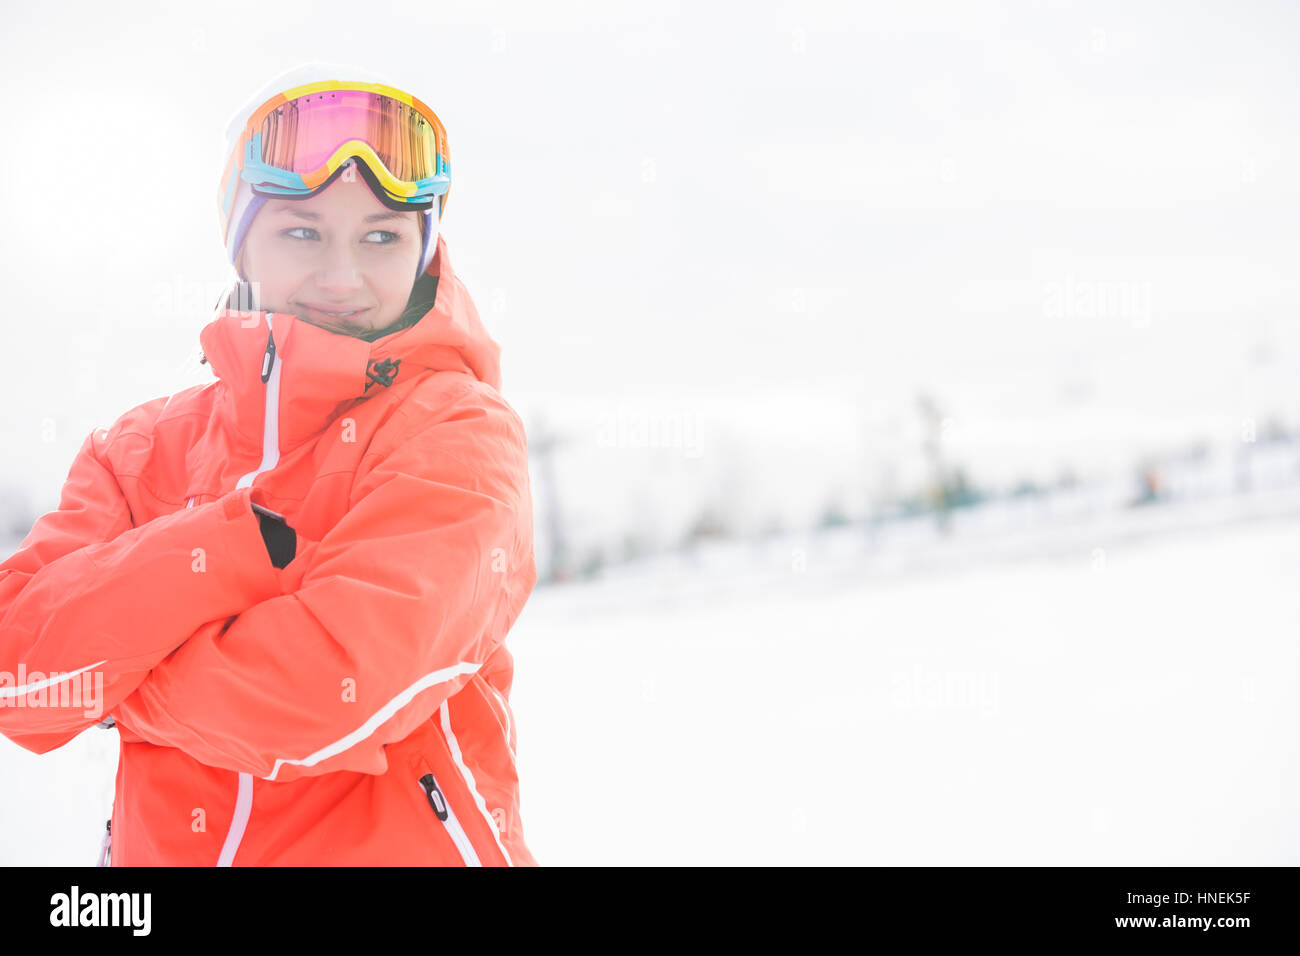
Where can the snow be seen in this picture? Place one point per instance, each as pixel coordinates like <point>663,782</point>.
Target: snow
<point>1134,710</point>
<point>1118,692</point>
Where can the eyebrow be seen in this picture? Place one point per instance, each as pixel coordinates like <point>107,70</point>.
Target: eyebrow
<point>313,216</point>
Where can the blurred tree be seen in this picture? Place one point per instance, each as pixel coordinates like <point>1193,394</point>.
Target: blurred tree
<point>1025,488</point>
<point>932,443</point>
<point>633,546</point>
<point>593,562</point>
<point>833,514</point>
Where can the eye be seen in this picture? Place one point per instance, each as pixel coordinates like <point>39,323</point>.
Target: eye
<point>392,237</point>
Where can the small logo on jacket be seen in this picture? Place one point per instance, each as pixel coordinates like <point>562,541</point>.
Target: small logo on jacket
<point>102,909</point>
<point>382,373</point>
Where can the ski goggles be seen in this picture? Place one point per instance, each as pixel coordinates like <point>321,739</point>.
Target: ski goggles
<point>300,139</point>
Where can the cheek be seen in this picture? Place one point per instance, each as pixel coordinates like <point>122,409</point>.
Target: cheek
<point>398,275</point>
<point>275,261</point>
<point>277,275</point>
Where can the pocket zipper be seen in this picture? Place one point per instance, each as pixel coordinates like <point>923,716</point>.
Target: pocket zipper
<point>442,809</point>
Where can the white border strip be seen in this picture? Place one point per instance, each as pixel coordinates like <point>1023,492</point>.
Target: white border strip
<point>270,456</point>
<point>378,718</point>
<point>445,713</point>
<point>243,807</point>
<point>50,681</point>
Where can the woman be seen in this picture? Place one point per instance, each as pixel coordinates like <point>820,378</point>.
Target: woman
<point>289,589</point>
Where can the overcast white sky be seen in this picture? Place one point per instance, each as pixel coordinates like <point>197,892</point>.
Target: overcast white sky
<point>1073,224</point>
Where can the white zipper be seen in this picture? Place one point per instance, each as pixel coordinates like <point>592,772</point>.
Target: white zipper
<point>270,456</point>
<point>442,809</point>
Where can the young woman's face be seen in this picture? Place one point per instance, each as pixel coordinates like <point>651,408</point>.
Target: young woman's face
<point>340,251</point>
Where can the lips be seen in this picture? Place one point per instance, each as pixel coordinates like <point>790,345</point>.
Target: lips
<point>332,313</point>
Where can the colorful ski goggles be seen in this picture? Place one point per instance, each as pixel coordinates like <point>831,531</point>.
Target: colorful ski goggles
<point>300,139</point>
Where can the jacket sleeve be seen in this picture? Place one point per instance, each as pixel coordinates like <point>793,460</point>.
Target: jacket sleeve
<point>88,602</point>
<point>389,614</point>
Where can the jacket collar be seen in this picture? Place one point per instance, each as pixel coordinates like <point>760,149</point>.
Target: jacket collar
<point>324,372</point>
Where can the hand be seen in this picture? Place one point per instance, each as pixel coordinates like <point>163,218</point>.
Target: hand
<point>280,539</point>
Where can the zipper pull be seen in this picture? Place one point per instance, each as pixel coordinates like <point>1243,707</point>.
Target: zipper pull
<point>268,357</point>
<point>436,799</point>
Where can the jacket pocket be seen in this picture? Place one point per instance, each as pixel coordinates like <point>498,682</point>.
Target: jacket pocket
<point>447,818</point>
<point>498,707</point>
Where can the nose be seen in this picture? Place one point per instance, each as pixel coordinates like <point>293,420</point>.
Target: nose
<point>339,274</point>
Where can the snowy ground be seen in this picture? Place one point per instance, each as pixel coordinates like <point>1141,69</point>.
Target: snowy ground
<point>1117,692</point>
<point>1133,706</point>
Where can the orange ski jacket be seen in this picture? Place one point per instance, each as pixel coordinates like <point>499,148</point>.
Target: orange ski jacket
<point>350,708</point>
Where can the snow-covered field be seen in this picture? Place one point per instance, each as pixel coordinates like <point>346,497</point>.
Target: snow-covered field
<point>1112,697</point>
<point>1133,705</point>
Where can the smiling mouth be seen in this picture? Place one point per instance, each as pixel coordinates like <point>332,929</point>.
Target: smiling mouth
<point>332,316</point>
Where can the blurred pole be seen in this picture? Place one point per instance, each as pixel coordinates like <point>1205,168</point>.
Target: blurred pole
<point>543,444</point>
<point>933,419</point>
<point>874,495</point>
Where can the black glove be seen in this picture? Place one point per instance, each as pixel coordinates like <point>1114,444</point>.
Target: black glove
<point>281,540</point>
